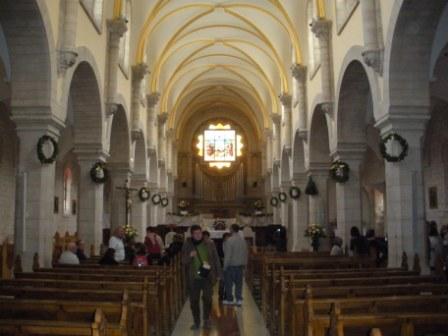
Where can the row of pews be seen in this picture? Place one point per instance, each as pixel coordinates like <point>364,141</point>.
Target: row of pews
<point>309,294</point>
<point>90,299</point>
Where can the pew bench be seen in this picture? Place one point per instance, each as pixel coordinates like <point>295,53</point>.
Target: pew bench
<point>20,327</point>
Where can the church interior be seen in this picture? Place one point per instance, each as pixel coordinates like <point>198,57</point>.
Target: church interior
<point>319,127</point>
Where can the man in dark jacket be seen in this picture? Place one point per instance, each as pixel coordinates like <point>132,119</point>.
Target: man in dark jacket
<point>203,269</point>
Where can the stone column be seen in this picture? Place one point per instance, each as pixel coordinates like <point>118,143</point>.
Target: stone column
<point>318,204</point>
<point>139,209</point>
<point>268,193</point>
<point>299,220</point>
<point>151,208</point>
<point>269,154</point>
<point>91,201</point>
<point>322,29</point>
<point>405,206</point>
<point>276,137</point>
<point>373,51</point>
<point>286,101</point>
<point>67,54</point>
<point>161,122</point>
<point>151,102</point>
<point>169,150</point>
<point>275,189</point>
<point>139,72</point>
<point>117,27</point>
<point>299,75</point>
<point>35,190</point>
<point>121,176</point>
<point>348,194</point>
<point>284,213</point>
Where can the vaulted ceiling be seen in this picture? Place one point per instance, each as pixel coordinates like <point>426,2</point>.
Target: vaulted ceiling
<point>220,53</point>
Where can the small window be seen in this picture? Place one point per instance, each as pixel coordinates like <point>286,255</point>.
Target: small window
<point>344,10</point>
<point>313,43</point>
<point>125,39</point>
<point>94,9</point>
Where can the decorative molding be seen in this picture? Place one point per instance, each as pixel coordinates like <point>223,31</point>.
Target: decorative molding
<point>327,107</point>
<point>111,108</point>
<point>139,71</point>
<point>276,118</point>
<point>117,27</point>
<point>67,58</point>
<point>298,72</point>
<point>152,99</point>
<point>321,28</point>
<point>286,100</point>
<point>374,59</point>
<point>162,118</point>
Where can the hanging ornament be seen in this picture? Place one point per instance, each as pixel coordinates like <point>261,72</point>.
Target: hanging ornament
<point>311,188</point>
<point>404,147</point>
<point>143,194</point>
<point>47,149</point>
<point>294,193</point>
<point>340,171</point>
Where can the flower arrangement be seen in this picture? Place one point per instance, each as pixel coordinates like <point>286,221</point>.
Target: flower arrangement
<point>129,232</point>
<point>183,204</point>
<point>315,231</point>
<point>258,204</point>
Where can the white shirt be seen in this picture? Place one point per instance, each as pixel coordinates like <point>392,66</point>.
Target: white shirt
<point>117,244</point>
<point>68,258</point>
<point>169,238</point>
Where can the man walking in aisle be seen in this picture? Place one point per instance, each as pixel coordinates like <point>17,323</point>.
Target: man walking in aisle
<point>235,260</point>
<point>203,269</point>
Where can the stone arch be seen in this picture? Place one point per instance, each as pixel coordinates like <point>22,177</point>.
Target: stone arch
<point>407,54</point>
<point>319,138</point>
<point>33,67</point>
<point>354,108</point>
<point>120,139</point>
<point>86,107</point>
<point>298,155</point>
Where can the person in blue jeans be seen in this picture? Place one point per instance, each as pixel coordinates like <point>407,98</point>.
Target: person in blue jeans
<point>235,260</point>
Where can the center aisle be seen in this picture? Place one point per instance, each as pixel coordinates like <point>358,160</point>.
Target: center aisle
<point>226,320</point>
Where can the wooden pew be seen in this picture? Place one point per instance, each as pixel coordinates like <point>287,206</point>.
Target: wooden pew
<point>117,314</point>
<point>299,298</point>
<point>138,301</point>
<point>156,292</point>
<point>20,327</point>
<point>394,315</point>
<point>6,259</point>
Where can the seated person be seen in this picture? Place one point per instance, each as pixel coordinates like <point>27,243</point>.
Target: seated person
<point>170,235</point>
<point>140,259</point>
<point>336,249</point>
<point>80,250</point>
<point>108,258</point>
<point>154,246</point>
<point>69,256</point>
<point>116,243</point>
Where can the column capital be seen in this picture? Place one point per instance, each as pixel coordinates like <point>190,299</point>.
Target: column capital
<point>299,179</point>
<point>349,151</point>
<point>268,133</point>
<point>117,27</point>
<point>37,119</point>
<point>276,118</point>
<point>66,59</point>
<point>298,72</point>
<point>321,28</point>
<point>152,99</point>
<point>162,118</point>
<point>286,100</point>
<point>318,169</point>
<point>374,58</point>
<point>90,152</point>
<point>401,118</point>
<point>139,71</point>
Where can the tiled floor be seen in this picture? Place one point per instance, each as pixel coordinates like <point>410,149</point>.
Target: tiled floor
<point>226,320</point>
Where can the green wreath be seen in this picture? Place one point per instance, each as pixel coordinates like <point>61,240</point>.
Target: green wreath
<point>340,171</point>
<point>156,199</point>
<point>294,192</point>
<point>164,202</point>
<point>144,194</point>
<point>40,152</point>
<point>98,173</point>
<point>274,201</point>
<point>404,148</point>
<point>282,196</point>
